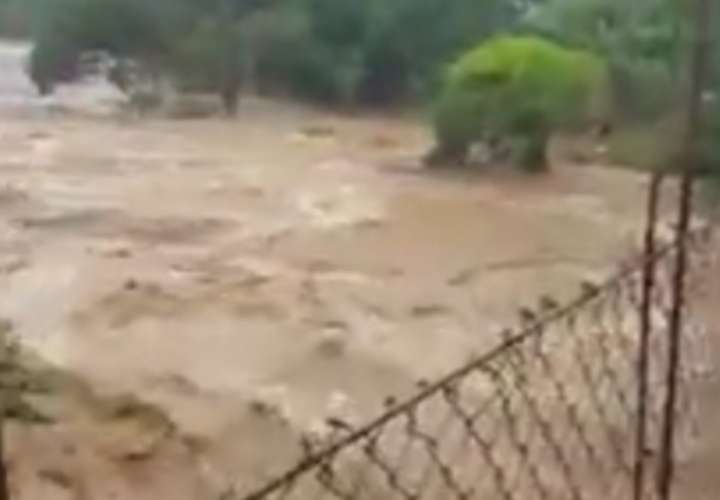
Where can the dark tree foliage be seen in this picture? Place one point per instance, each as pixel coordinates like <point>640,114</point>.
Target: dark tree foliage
<point>350,53</point>
<point>127,28</point>
<point>334,51</point>
<point>643,42</point>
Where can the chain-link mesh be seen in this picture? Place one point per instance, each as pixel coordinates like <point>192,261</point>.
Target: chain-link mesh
<point>550,414</point>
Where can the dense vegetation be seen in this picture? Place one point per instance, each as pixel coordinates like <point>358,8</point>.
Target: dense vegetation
<point>517,88</point>
<point>341,52</point>
<point>350,53</point>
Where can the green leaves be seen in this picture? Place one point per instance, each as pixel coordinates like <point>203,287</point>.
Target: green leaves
<point>340,23</point>
<point>516,73</point>
<point>641,40</point>
<point>522,87</point>
<point>336,51</point>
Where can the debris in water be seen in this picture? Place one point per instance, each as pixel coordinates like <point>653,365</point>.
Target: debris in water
<point>527,315</point>
<point>178,384</point>
<point>131,285</point>
<point>339,424</point>
<point>370,223</point>
<point>312,133</point>
<point>384,141</point>
<point>271,402</point>
<point>259,407</point>
<point>57,477</point>
<point>38,134</point>
<point>463,277</point>
<point>336,323</point>
<point>141,453</point>
<point>333,342</point>
<point>588,288</point>
<point>6,326</point>
<point>548,303</point>
<point>10,195</point>
<point>318,130</point>
<point>426,310</point>
<point>129,407</point>
<point>118,253</point>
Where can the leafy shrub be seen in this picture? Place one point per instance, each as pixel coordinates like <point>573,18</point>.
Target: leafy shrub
<point>522,88</point>
<point>53,60</point>
<point>387,72</point>
<point>644,88</point>
<point>193,61</point>
<point>364,52</point>
<point>120,27</point>
<point>642,43</point>
<point>338,23</point>
<point>123,27</point>
<point>210,59</point>
<point>332,51</point>
<point>289,59</point>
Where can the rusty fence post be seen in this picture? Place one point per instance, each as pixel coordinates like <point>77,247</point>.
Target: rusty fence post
<point>666,470</point>
<point>4,483</point>
<point>693,128</point>
<point>4,486</point>
<point>648,285</point>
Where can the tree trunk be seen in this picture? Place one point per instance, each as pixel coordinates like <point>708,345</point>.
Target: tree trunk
<point>447,155</point>
<point>230,95</point>
<point>534,151</point>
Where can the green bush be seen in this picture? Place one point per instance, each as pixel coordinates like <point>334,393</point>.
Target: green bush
<point>642,42</point>
<point>124,28</point>
<point>320,77</point>
<point>289,59</point>
<point>210,59</point>
<point>645,89</point>
<point>338,23</point>
<point>194,58</point>
<point>331,51</point>
<point>522,88</point>
<point>53,60</point>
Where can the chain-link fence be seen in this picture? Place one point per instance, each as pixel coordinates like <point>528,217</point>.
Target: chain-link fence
<point>593,400</point>
<point>551,413</point>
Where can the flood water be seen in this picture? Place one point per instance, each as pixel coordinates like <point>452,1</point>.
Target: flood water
<point>206,265</point>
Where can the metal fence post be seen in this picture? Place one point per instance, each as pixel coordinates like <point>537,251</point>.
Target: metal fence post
<point>4,487</point>
<point>699,70</point>
<point>648,285</point>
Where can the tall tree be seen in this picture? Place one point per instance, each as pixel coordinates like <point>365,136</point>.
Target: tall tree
<point>642,42</point>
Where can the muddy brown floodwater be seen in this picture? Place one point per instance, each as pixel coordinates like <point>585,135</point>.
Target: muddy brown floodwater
<point>248,278</point>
